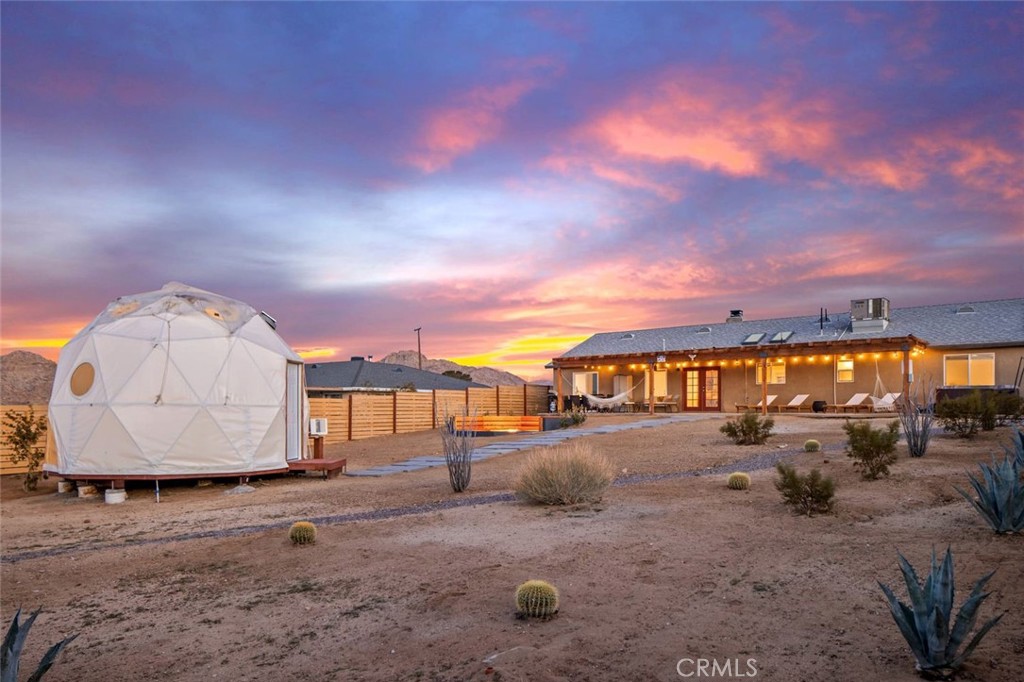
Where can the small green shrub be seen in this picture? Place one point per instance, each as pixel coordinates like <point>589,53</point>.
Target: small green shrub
<point>536,599</point>
<point>873,450</point>
<point>810,494</point>
<point>812,445</point>
<point>749,429</point>
<point>24,430</point>
<point>302,533</point>
<point>14,643</point>
<point>1000,495</point>
<point>569,473</point>
<point>916,417</point>
<point>738,481</point>
<point>926,622</point>
<point>961,416</point>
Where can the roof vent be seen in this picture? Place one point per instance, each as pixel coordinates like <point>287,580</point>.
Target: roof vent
<point>965,310</point>
<point>735,316</point>
<point>629,335</point>
<point>268,319</point>
<point>704,330</point>
<point>357,358</point>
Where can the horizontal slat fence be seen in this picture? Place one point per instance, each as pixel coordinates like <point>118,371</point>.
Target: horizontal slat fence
<point>6,465</point>
<point>360,415</point>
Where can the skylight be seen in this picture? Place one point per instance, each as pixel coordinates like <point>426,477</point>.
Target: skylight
<point>753,338</point>
<point>630,335</point>
<point>781,337</point>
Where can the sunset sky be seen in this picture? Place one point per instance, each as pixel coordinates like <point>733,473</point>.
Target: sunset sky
<point>511,177</point>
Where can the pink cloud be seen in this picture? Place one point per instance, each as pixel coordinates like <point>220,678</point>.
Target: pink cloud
<point>476,118</point>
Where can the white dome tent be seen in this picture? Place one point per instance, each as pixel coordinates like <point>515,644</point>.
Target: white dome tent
<point>177,383</point>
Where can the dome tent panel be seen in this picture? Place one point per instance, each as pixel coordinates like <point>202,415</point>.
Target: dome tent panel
<point>119,358</point>
<point>82,383</point>
<point>204,447</point>
<point>156,429</point>
<point>242,380</point>
<point>157,381</point>
<point>201,362</point>
<point>192,325</point>
<point>68,361</point>
<point>140,327</point>
<point>262,334</point>
<point>72,427</point>
<point>254,426</point>
<point>110,447</point>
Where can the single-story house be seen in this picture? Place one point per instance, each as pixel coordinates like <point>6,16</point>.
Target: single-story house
<point>359,375</point>
<point>829,358</point>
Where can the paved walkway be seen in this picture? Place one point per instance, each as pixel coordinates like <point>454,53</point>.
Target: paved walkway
<point>543,438</point>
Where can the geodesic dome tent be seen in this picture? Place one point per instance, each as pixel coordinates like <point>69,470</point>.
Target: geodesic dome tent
<point>178,382</point>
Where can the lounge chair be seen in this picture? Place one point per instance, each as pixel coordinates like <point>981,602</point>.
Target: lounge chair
<point>771,399</point>
<point>887,403</point>
<point>854,404</point>
<point>669,402</point>
<point>796,404</point>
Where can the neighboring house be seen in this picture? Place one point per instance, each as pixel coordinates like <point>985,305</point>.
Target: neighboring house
<point>358,375</point>
<point>869,349</point>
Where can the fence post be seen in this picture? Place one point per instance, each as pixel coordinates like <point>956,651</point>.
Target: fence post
<point>433,408</point>
<point>497,401</point>
<point>394,412</point>
<point>524,399</point>
<point>349,398</point>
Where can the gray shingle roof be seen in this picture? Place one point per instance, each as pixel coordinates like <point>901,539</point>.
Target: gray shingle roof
<point>366,374</point>
<point>994,323</point>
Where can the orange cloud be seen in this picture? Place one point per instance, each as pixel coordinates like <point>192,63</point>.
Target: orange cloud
<point>476,118</point>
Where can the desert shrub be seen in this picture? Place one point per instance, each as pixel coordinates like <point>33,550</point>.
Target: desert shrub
<point>916,418</point>
<point>569,473</point>
<point>458,449</point>
<point>748,429</point>
<point>812,445</point>
<point>573,417</point>
<point>926,622</point>
<point>302,533</point>
<point>1000,494</point>
<point>738,481</point>
<point>1008,408</point>
<point>24,431</point>
<point>536,599</point>
<point>810,494</point>
<point>14,644</point>
<point>873,450</point>
<point>960,416</point>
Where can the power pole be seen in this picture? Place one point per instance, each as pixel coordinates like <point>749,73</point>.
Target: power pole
<point>419,349</point>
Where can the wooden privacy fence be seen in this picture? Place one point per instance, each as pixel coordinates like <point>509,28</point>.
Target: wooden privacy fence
<point>362,415</point>
<point>6,465</point>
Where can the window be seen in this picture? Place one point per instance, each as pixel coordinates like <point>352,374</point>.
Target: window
<point>844,371</point>
<point>776,371</point>
<point>969,369</point>
<point>781,337</point>
<point>753,338</point>
<point>584,382</point>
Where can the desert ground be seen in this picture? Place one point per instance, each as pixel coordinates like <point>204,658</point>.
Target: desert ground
<point>409,581</point>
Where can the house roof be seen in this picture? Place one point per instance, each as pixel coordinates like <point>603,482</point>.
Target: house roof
<point>356,374</point>
<point>991,324</point>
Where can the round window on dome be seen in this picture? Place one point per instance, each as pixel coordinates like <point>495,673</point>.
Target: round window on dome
<point>82,379</point>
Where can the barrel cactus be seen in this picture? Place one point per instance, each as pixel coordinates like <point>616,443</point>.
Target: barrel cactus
<point>738,481</point>
<point>812,446</point>
<point>537,599</point>
<point>302,533</point>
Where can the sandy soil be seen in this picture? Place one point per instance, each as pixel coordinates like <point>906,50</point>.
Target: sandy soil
<point>681,568</point>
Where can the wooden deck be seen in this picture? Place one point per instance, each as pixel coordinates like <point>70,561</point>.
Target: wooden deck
<point>490,424</point>
<point>330,468</point>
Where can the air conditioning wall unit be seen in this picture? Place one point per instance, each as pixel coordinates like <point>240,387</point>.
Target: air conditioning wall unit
<point>318,427</point>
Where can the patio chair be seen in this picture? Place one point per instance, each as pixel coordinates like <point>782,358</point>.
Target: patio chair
<point>796,404</point>
<point>887,403</point>
<point>854,404</point>
<point>669,402</point>
<point>771,399</point>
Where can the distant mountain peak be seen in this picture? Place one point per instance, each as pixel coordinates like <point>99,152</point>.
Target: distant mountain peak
<point>481,375</point>
<point>25,378</point>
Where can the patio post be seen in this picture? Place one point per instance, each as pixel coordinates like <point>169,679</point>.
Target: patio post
<point>764,383</point>
<point>906,372</point>
<point>650,390</point>
<point>558,384</point>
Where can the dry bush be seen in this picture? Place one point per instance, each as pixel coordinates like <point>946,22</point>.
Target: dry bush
<point>569,473</point>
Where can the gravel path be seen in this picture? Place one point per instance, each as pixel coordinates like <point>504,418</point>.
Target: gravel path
<point>761,461</point>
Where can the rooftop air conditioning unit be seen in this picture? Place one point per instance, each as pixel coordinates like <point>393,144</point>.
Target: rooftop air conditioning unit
<point>869,314</point>
<point>318,427</point>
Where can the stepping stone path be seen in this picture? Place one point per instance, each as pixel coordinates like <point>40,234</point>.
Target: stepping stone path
<point>543,438</point>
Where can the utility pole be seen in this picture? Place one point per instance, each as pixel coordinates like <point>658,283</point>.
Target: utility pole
<point>419,350</point>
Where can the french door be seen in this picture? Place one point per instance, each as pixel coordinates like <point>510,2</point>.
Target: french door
<point>702,389</point>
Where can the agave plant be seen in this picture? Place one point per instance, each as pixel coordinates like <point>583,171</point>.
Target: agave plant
<point>1017,449</point>
<point>14,642</point>
<point>1000,495</point>
<point>925,623</point>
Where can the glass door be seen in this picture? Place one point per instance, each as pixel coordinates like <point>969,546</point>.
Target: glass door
<point>702,389</point>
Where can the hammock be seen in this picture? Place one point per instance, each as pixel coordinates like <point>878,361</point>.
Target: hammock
<point>887,402</point>
<point>614,401</point>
